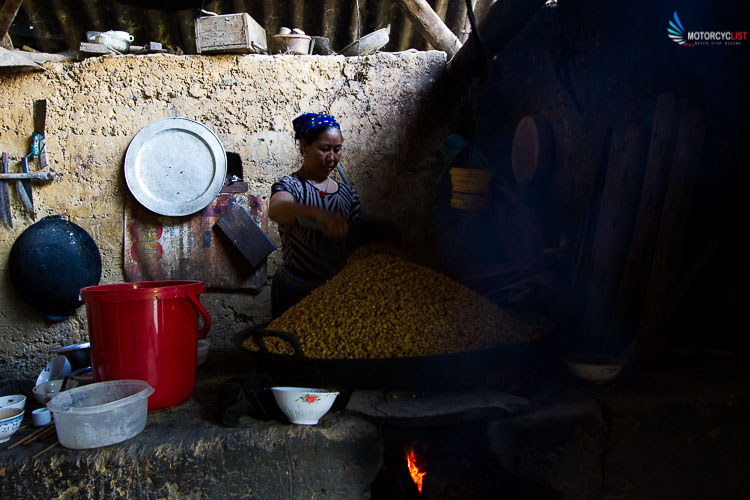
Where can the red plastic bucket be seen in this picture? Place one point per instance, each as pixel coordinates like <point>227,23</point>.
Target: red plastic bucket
<point>147,330</point>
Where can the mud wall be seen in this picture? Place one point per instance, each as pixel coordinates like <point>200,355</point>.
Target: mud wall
<point>96,106</point>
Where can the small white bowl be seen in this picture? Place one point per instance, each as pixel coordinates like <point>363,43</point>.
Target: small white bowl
<point>43,392</point>
<point>57,368</point>
<point>14,401</point>
<point>599,372</point>
<point>10,421</point>
<point>41,417</point>
<point>303,405</point>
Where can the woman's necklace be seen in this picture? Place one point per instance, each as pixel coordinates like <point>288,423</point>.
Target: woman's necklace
<point>323,192</point>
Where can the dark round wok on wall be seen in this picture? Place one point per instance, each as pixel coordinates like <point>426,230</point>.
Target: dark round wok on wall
<point>445,372</point>
<point>50,262</point>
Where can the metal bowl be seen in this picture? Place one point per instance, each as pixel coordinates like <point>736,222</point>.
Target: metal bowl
<point>290,44</point>
<point>79,355</point>
<point>368,43</point>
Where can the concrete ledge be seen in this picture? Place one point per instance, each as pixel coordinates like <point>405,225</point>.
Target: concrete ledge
<point>185,453</point>
<point>677,433</point>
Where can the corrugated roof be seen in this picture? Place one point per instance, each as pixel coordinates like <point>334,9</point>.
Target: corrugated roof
<point>60,25</point>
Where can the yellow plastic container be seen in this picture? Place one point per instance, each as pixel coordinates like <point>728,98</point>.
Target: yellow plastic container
<point>471,180</point>
<point>471,188</point>
<point>463,201</point>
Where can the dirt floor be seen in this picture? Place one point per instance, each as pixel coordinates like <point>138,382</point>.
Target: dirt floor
<point>673,432</point>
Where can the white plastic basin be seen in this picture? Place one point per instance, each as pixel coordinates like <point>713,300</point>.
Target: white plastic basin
<point>100,414</point>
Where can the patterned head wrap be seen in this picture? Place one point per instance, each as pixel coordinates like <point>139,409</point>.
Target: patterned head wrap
<point>306,123</point>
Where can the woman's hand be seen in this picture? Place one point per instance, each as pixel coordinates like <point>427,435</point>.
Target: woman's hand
<point>336,225</point>
<point>284,210</point>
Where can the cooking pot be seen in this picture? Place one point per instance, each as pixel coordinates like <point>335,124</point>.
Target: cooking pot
<point>50,262</point>
<point>504,364</point>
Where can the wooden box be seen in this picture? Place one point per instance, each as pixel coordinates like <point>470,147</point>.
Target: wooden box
<point>237,33</point>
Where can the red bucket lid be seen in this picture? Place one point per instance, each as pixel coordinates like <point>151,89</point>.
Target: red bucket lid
<point>141,290</point>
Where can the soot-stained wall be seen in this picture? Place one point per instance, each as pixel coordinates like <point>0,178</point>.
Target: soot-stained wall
<point>96,106</point>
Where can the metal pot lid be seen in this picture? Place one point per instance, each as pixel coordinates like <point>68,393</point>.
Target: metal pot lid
<point>175,166</point>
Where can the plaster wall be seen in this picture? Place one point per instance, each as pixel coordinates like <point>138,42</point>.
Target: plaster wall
<point>96,106</point>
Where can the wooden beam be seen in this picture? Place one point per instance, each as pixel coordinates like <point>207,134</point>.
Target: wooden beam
<point>662,294</point>
<point>7,13</point>
<point>441,6</point>
<point>504,20</point>
<point>329,19</point>
<point>297,14</point>
<point>613,230</point>
<point>432,28</point>
<point>404,34</point>
<point>636,271</point>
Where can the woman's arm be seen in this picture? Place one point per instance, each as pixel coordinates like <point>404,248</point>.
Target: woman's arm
<point>284,210</point>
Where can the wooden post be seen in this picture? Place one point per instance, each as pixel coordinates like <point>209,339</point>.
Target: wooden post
<point>432,28</point>
<point>641,251</point>
<point>613,230</point>
<point>7,13</point>
<point>662,297</point>
<point>504,19</point>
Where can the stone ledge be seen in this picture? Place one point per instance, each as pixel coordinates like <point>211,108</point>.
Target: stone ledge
<point>672,434</point>
<point>185,453</point>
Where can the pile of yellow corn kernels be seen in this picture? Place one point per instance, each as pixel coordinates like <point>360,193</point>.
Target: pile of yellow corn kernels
<point>381,306</point>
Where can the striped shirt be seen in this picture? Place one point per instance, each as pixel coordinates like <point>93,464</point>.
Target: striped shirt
<point>307,252</point>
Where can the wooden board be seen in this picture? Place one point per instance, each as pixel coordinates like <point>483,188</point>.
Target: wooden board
<point>662,295</point>
<point>614,227</point>
<point>96,48</point>
<point>229,33</point>
<point>246,235</point>
<point>635,273</point>
<point>158,247</point>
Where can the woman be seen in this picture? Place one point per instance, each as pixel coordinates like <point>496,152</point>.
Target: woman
<point>311,256</point>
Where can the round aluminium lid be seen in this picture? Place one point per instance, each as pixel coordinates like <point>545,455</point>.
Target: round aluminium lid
<point>175,166</point>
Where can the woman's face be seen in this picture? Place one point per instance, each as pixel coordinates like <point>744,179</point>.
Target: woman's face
<point>323,154</point>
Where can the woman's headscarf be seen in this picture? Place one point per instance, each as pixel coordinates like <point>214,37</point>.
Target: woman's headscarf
<point>306,123</point>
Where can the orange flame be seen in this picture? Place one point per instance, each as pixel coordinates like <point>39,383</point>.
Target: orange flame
<point>416,475</point>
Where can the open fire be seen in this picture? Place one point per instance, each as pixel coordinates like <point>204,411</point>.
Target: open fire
<point>417,468</point>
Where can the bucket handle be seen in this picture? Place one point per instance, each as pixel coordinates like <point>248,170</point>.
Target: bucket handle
<point>206,317</point>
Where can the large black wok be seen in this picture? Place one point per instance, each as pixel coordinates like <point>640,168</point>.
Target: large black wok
<point>448,371</point>
<point>50,262</point>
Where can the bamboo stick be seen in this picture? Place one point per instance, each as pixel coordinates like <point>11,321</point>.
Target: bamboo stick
<point>31,436</point>
<point>37,455</point>
<point>43,435</point>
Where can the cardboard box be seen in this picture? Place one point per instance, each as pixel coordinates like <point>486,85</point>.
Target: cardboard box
<point>238,33</point>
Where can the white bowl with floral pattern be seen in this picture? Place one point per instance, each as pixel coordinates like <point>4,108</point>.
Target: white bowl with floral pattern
<point>10,420</point>
<point>304,405</point>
